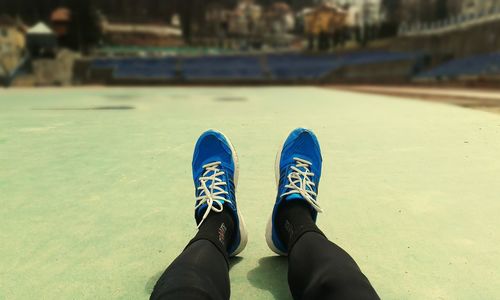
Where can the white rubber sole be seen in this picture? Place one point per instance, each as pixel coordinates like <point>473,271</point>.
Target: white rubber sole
<point>242,226</point>
<point>269,227</point>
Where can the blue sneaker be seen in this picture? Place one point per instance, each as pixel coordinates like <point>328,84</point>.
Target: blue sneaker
<point>215,175</point>
<point>298,170</point>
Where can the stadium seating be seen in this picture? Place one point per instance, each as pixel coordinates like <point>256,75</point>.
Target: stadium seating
<point>271,67</point>
<point>487,64</point>
<point>138,68</point>
<point>221,68</point>
<point>297,66</point>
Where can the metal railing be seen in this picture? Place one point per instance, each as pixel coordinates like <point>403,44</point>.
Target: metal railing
<point>451,24</point>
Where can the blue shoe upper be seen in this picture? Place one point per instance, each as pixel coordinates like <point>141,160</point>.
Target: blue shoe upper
<point>301,145</point>
<point>210,148</point>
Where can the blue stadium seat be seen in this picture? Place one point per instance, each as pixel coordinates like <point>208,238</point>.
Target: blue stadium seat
<point>487,64</point>
<point>293,66</point>
<point>139,68</point>
<point>312,67</point>
<point>221,68</point>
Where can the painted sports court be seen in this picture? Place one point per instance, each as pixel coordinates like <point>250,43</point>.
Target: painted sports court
<point>97,198</point>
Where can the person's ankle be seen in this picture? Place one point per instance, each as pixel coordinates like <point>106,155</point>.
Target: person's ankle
<point>291,218</point>
<point>219,228</point>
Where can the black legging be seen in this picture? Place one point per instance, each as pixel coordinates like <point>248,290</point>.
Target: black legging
<point>317,269</point>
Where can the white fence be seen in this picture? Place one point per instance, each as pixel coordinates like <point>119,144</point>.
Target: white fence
<point>451,24</point>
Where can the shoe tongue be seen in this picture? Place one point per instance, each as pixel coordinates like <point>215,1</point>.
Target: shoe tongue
<point>208,183</point>
<point>200,210</point>
<point>294,197</point>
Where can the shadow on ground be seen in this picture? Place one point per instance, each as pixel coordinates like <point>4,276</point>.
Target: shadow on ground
<point>116,107</point>
<point>150,285</point>
<point>234,261</point>
<point>271,275</point>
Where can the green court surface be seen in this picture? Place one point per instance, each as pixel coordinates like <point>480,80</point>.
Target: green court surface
<point>97,197</point>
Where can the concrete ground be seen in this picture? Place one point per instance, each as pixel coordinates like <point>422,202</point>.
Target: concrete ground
<point>481,99</point>
<point>97,198</point>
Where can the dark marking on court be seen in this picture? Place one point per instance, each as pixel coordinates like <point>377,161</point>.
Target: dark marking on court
<point>122,107</point>
<point>231,99</point>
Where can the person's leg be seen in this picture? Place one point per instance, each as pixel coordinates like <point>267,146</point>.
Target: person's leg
<point>318,269</point>
<point>202,270</point>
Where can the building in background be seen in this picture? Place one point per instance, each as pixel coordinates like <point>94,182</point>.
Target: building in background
<point>278,23</point>
<point>418,11</point>
<point>369,20</point>
<point>245,18</point>
<point>144,35</point>
<point>248,25</point>
<point>322,23</point>
<point>369,11</point>
<point>470,7</point>
<point>12,44</point>
<point>60,20</point>
<point>41,41</point>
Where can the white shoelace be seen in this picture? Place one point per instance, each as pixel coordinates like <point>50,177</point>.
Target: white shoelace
<point>212,194</point>
<point>300,183</point>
